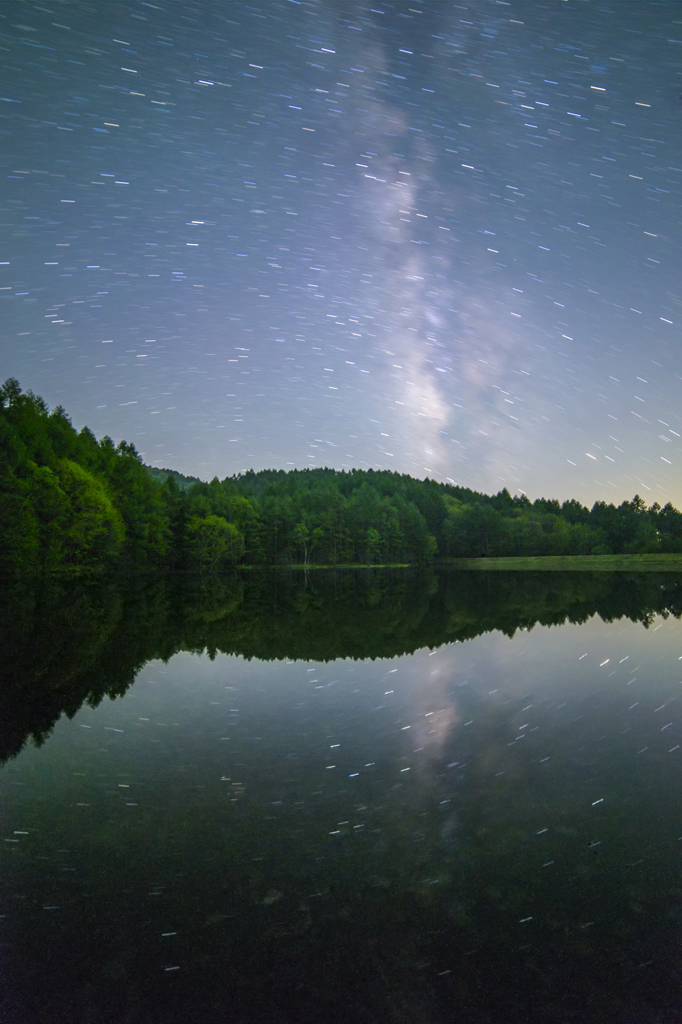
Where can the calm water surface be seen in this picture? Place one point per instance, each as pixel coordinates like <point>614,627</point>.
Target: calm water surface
<point>487,831</point>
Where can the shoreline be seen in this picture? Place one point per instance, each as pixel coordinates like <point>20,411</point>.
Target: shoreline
<point>509,563</point>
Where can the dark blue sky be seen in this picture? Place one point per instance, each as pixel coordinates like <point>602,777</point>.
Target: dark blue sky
<point>432,237</point>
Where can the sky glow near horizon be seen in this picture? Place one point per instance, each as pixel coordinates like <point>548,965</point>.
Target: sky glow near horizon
<point>436,238</point>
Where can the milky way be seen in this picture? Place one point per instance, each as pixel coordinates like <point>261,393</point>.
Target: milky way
<point>442,239</point>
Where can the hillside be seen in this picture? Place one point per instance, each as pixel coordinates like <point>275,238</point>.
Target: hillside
<point>71,501</point>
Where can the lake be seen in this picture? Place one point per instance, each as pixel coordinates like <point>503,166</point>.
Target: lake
<point>356,796</point>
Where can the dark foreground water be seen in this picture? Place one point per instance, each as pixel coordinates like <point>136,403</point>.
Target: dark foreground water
<point>489,830</point>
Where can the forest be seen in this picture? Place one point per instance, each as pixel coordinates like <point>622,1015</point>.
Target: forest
<point>69,501</point>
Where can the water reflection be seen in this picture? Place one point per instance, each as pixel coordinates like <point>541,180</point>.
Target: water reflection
<point>66,642</point>
<point>482,831</point>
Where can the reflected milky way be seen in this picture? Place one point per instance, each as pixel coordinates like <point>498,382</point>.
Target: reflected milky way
<point>492,825</point>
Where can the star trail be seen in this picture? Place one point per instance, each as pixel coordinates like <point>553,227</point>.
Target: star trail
<point>437,238</point>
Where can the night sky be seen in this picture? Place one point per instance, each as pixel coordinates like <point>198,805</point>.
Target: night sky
<point>431,237</point>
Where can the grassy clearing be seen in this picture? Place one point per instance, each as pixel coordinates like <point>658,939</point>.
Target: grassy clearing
<point>591,563</point>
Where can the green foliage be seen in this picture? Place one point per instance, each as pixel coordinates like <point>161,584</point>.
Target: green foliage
<point>88,529</point>
<point>67,501</point>
<point>215,542</point>
<point>161,475</point>
<point>70,501</point>
<point>139,500</point>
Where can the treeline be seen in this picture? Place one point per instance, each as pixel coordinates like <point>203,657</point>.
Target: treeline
<point>68,500</point>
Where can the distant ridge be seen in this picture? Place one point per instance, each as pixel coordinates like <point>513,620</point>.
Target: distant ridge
<point>183,482</point>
